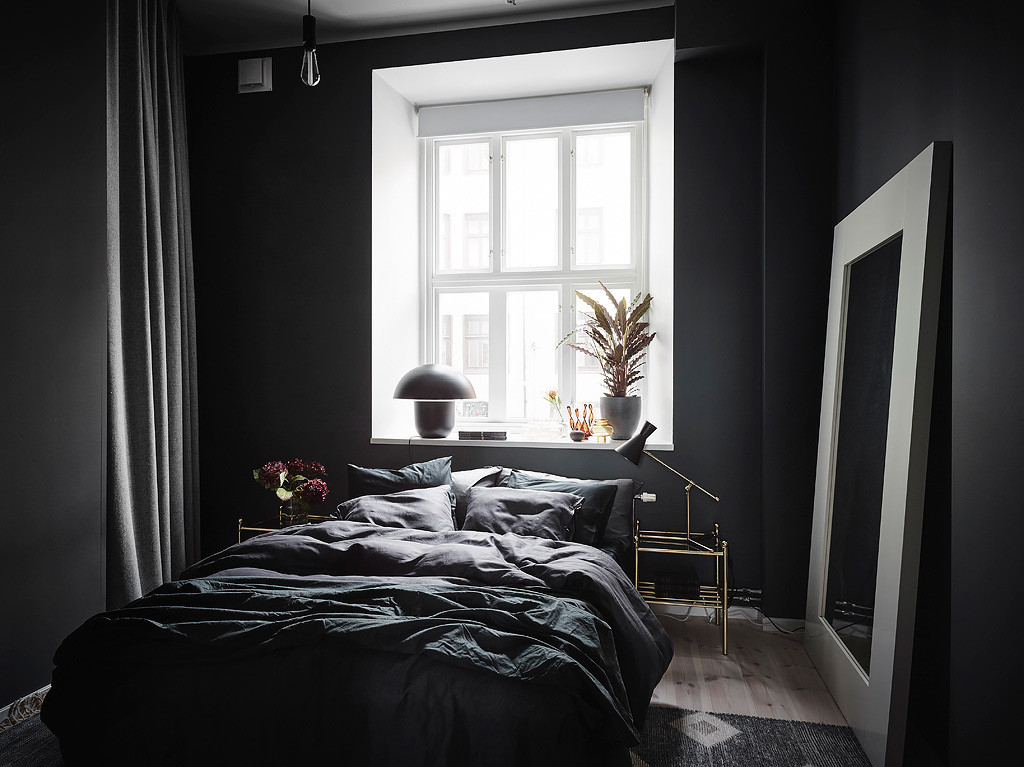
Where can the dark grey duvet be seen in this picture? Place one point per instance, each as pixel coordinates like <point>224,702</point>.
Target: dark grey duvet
<point>348,643</point>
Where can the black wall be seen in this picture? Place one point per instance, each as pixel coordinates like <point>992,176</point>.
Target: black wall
<point>718,244</point>
<point>911,73</point>
<point>769,175</point>
<point>281,213</point>
<point>53,390</point>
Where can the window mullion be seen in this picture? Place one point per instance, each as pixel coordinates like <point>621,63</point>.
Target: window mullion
<point>497,223</point>
<point>428,302</point>
<point>498,372</point>
<point>567,261</point>
<point>567,196</point>
<point>499,191</point>
<point>566,371</point>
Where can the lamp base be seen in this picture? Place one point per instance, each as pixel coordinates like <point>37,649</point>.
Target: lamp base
<point>434,419</point>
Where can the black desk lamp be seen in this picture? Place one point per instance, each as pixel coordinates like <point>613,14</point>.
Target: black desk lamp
<point>633,448</point>
<point>435,388</point>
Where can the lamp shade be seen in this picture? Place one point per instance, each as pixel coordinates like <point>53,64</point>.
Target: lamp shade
<point>633,447</point>
<point>434,381</point>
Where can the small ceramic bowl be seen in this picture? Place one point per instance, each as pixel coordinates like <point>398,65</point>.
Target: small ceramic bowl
<point>577,436</point>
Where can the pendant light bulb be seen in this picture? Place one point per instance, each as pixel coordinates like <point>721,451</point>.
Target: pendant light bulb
<point>310,70</point>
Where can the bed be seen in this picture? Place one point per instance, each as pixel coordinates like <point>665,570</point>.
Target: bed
<point>387,636</point>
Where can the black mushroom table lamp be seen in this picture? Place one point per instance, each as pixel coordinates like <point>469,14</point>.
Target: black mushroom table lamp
<point>435,388</point>
<point>633,448</point>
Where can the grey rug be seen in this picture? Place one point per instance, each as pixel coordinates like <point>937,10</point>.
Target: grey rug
<point>671,737</point>
<point>675,737</point>
<point>29,743</point>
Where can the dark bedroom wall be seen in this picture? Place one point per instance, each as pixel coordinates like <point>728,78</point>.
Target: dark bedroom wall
<point>281,191</point>
<point>767,179</point>
<point>53,391</point>
<point>911,73</point>
<point>799,175</point>
<point>718,230</point>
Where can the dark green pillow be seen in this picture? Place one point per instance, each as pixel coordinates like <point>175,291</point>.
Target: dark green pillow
<point>538,513</point>
<point>592,516</point>
<point>363,481</point>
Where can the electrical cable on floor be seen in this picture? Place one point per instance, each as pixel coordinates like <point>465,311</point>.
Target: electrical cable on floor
<point>680,618</point>
<point>777,626</point>
<point>764,615</point>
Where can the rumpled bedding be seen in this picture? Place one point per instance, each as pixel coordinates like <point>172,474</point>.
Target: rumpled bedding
<point>384,645</point>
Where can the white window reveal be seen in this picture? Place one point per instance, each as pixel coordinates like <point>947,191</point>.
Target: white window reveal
<point>493,201</point>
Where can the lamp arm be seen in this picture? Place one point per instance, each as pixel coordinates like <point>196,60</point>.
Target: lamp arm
<point>681,475</point>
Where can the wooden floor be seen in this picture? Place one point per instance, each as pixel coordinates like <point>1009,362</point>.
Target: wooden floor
<point>766,673</point>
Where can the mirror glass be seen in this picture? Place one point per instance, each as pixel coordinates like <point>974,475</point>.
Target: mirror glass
<point>872,285</point>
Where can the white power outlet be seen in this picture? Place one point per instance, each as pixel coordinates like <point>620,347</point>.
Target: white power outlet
<point>648,497</point>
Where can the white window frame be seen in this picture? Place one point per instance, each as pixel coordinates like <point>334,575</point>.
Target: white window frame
<point>497,280</point>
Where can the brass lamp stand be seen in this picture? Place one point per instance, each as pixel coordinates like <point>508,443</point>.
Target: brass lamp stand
<point>693,593</point>
<point>633,448</point>
<point>689,484</point>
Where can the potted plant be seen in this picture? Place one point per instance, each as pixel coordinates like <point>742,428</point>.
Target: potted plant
<point>297,485</point>
<point>617,337</point>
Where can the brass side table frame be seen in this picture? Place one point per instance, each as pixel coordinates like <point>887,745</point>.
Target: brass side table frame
<point>277,522</point>
<point>713,597</point>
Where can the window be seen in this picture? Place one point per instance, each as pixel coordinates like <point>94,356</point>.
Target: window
<point>516,222</point>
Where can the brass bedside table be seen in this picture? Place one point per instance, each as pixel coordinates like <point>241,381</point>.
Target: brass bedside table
<point>709,544</point>
<point>276,522</point>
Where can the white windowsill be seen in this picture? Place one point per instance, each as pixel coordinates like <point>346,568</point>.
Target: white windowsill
<point>513,441</point>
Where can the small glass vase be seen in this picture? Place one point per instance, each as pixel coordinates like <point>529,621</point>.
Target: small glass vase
<point>289,514</point>
<point>557,416</point>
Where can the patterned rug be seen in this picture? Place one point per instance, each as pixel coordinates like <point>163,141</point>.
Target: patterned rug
<point>674,737</point>
<point>671,737</point>
<point>28,743</point>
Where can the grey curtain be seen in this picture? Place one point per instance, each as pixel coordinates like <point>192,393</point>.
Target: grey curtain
<point>152,432</point>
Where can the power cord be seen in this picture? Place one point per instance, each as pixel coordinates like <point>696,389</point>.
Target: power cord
<point>762,613</point>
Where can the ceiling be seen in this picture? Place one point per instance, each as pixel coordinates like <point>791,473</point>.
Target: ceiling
<point>220,26</point>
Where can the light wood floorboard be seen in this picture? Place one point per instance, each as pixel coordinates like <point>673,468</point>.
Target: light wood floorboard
<point>766,673</point>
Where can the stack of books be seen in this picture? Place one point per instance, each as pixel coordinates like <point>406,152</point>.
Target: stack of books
<point>679,585</point>
<point>482,435</point>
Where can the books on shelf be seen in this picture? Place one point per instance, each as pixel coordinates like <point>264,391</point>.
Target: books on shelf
<point>683,584</point>
<point>483,435</point>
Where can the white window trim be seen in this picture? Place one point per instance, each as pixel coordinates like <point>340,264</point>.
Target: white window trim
<point>567,276</point>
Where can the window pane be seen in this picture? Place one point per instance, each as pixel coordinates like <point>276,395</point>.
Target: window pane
<point>603,199</point>
<point>531,202</point>
<point>463,206</point>
<point>532,328</point>
<point>464,343</point>
<point>589,382</point>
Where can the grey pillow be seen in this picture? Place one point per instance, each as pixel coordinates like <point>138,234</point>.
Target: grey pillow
<point>463,480</point>
<point>617,539</point>
<point>591,518</point>
<point>364,481</point>
<point>423,508</point>
<point>539,513</point>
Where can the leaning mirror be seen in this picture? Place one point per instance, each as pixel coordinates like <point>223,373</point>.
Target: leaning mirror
<point>873,446</point>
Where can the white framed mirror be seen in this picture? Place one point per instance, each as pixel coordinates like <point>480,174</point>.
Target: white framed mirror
<point>873,448</point>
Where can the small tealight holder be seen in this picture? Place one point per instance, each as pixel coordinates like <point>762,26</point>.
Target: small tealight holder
<point>601,430</point>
